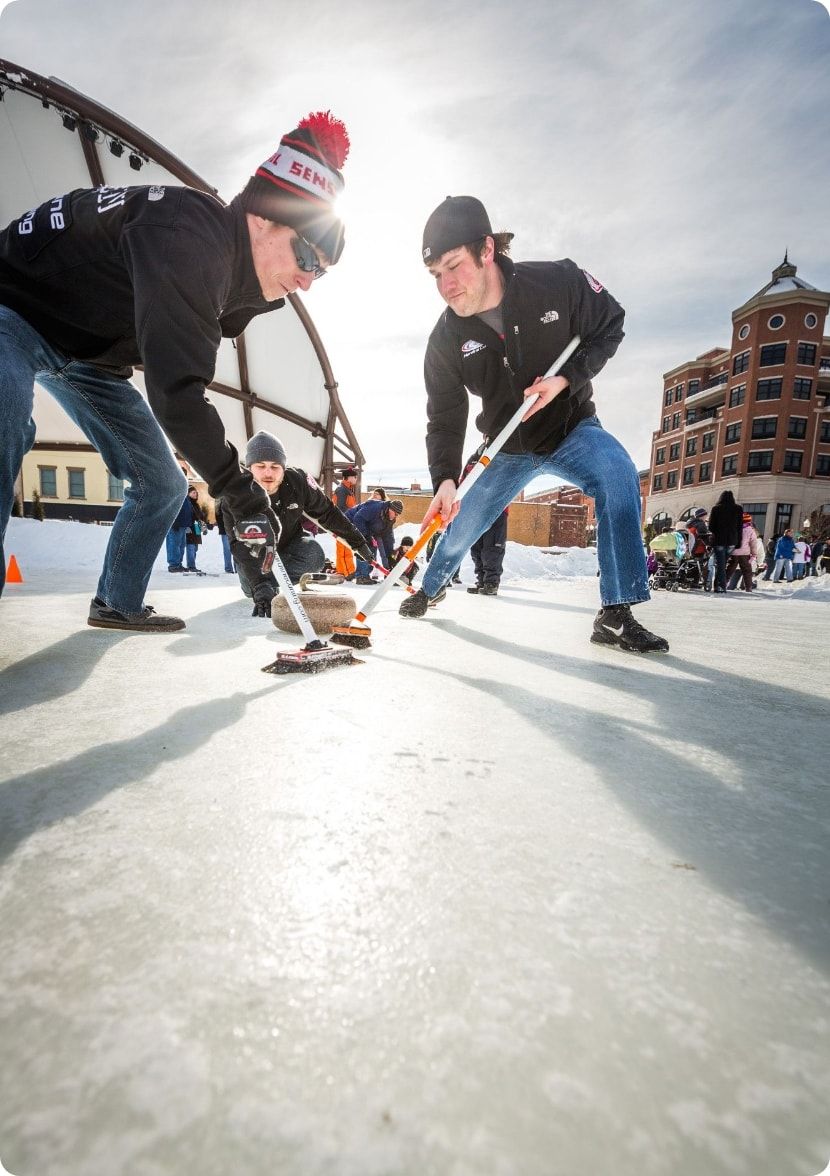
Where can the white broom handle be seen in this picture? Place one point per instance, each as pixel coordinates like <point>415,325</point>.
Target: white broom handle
<point>299,613</point>
<point>514,422</point>
<point>475,473</point>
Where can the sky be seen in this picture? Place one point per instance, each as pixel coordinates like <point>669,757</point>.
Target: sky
<point>675,150</point>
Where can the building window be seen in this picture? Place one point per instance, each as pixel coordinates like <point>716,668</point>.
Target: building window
<point>694,386</point>
<point>825,431</point>
<point>764,427</point>
<point>730,466</point>
<point>758,510</point>
<point>674,451</point>
<point>671,479</point>
<point>737,396</point>
<point>810,320</point>
<point>768,389</point>
<point>783,517</point>
<point>733,433</point>
<point>823,465</point>
<point>667,399</point>
<point>773,354</point>
<point>705,471</point>
<point>660,456</point>
<point>792,461</point>
<point>658,482</point>
<point>797,428</point>
<point>759,462</point>
<point>689,476</point>
<point>740,363</point>
<point>708,442</point>
<point>744,331</point>
<point>115,488</point>
<point>675,421</point>
<point>666,423</point>
<point>691,446</point>
<point>678,393</point>
<point>48,482</point>
<point>802,388</point>
<point>77,488</point>
<point>776,322</point>
<point>806,354</point>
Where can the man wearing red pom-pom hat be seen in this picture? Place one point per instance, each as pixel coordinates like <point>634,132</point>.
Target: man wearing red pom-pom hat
<point>99,280</point>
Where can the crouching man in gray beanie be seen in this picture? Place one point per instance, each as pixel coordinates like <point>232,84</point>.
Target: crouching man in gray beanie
<point>292,493</point>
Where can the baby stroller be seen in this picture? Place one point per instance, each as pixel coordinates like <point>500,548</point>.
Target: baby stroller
<point>671,566</point>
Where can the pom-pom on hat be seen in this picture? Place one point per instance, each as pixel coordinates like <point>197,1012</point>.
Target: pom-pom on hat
<point>458,220</point>
<point>298,185</point>
<point>265,447</point>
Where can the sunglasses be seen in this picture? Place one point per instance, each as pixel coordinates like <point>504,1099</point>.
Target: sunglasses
<point>306,257</point>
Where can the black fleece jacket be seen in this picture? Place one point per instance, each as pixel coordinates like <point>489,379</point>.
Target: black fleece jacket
<point>155,276</point>
<point>298,494</point>
<point>545,304</point>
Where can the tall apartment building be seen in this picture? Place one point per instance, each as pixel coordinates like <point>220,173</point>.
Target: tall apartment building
<point>753,418</point>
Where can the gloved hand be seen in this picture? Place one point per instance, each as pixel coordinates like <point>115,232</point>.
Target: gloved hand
<point>263,595</point>
<point>260,534</point>
<point>366,551</point>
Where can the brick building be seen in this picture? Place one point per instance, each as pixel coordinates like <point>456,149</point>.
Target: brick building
<point>754,417</point>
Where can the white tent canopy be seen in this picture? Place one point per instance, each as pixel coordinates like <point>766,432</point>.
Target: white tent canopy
<point>276,376</point>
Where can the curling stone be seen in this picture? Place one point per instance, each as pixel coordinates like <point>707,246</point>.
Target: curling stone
<point>324,611</point>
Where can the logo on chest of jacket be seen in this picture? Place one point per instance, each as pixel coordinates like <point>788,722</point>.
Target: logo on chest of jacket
<point>550,316</point>
<point>471,347</point>
<point>293,506</point>
<point>155,193</point>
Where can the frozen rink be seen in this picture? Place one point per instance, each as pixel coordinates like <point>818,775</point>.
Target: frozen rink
<point>495,902</point>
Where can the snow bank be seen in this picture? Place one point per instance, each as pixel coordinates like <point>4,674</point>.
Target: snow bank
<point>55,544</point>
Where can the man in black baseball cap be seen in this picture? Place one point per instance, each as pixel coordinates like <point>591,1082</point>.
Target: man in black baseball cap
<point>504,326</point>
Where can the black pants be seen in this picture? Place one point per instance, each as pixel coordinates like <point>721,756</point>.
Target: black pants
<point>488,552</point>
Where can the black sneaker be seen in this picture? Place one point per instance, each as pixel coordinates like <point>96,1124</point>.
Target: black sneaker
<point>177,569</point>
<point>489,590</point>
<point>101,616</point>
<point>365,581</point>
<point>418,603</point>
<point>616,626</point>
<point>474,590</point>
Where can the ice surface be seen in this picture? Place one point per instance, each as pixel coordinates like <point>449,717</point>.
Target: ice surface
<point>495,902</point>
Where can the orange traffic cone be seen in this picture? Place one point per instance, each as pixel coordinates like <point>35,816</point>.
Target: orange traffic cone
<point>13,575</point>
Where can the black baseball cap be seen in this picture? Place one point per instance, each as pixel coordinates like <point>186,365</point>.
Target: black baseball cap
<point>458,220</point>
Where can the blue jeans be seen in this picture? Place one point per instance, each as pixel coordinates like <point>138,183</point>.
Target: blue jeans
<point>112,414</point>
<point>227,554</point>
<point>191,550</point>
<point>721,555</point>
<point>175,547</point>
<point>588,458</point>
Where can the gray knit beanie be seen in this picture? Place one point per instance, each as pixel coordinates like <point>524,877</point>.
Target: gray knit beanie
<point>265,447</point>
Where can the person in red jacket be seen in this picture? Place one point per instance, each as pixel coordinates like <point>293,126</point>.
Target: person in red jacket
<point>344,498</point>
<point>97,281</point>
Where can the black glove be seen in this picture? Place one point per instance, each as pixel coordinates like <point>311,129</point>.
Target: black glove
<point>263,595</point>
<point>366,551</point>
<point>260,534</point>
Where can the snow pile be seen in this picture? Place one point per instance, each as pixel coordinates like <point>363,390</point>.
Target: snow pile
<point>56,544</point>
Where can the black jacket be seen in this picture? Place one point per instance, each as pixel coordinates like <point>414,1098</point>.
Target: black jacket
<point>726,524</point>
<point>545,304</point>
<point>147,275</point>
<point>298,494</point>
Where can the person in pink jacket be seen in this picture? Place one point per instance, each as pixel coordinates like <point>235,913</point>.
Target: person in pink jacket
<point>741,557</point>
